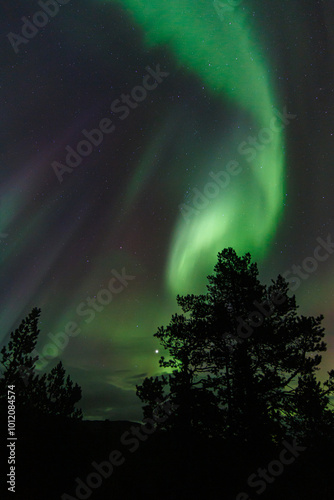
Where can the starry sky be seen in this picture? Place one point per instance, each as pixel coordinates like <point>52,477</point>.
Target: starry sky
<point>232,145</point>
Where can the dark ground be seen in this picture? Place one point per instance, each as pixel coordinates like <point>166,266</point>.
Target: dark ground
<point>51,454</point>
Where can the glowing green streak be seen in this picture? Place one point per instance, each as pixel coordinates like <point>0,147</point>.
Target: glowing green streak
<point>224,57</point>
<point>146,165</point>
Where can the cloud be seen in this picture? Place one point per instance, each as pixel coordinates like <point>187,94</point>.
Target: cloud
<point>102,399</point>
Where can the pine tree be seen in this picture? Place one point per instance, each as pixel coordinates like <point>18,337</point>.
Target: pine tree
<point>47,394</point>
<point>241,363</point>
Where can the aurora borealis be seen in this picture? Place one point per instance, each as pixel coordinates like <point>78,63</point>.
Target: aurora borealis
<point>248,100</point>
<point>230,65</point>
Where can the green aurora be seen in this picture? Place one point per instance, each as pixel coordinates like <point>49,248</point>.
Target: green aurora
<point>224,56</point>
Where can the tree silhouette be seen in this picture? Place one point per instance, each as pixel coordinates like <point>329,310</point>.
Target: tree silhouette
<point>48,394</point>
<point>241,363</point>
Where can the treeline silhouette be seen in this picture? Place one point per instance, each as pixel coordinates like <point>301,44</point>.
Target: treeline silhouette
<point>237,412</point>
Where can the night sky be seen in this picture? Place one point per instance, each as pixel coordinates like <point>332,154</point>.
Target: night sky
<point>240,92</point>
